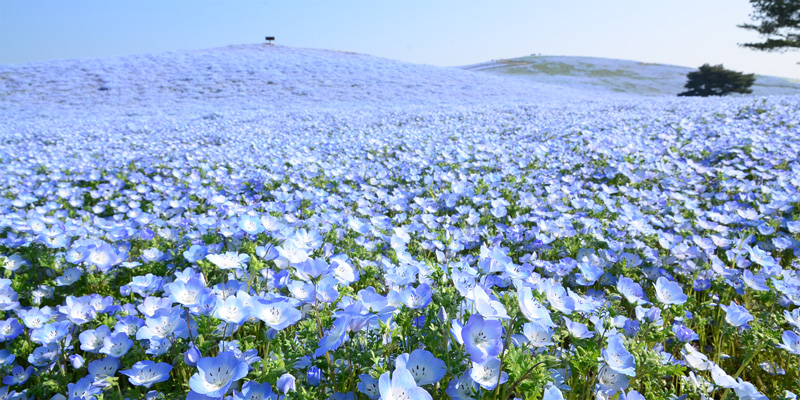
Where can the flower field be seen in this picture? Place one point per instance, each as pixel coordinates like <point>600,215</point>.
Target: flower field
<point>612,248</point>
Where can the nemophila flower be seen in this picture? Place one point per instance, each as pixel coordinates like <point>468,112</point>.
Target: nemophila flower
<point>195,253</point>
<point>188,293</point>
<point>146,285</point>
<point>416,298</point>
<point>684,334</point>
<point>486,306</point>
<point>423,365</point>
<point>463,387</point>
<point>531,308</point>
<point>152,255</point>
<point>401,386</point>
<point>92,339</point>
<point>15,262</point>
<point>669,292</point>
<point>311,269</point>
<point>538,335</point>
<point>252,390</point>
<point>552,393</point>
<point>632,395</point>
<point>102,256</point>
<point>103,368</point>
<point>215,375</point>
<point>791,342</point>
<point>746,391</point>
<point>232,310</point>
<point>151,304</point>
<point>343,271</point>
<point>577,329</point>
<point>736,315</point>
<point>147,373</point>
<point>44,356</point>
<point>486,373</point>
<point>6,357</point>
<point>558,297</point>
<point>369,386</point>
<point>116,344</point>
<point>286,383</point>
<point>51,333</point>
<point>618,358</point>
<point>129,325</point>
<point>84,389</point>
<point>77,361</point>
<point>10,329</point>
<point>165,323</point>
<point>612,381</point>
<point>314,376</point>
<point>482,338</point>
<point>761,257</point>
<point>229,260</point>
<point>755,281</point>
<point>333,338</point>
<point>278,314</point>
<point>631,290</point>
<point>18,376</point>
<point>251,224</point>
<point>326,289</point>
<point>694,358</point>
<point>721,378</point>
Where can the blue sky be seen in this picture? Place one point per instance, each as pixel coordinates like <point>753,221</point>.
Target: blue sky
<point>436,32</point>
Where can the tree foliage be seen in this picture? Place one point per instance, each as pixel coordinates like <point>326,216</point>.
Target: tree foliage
<point>717,81</point>
<point>778,22</point>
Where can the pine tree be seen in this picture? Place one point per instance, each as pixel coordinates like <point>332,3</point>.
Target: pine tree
<point>717,81</point>
<point>779,23</point>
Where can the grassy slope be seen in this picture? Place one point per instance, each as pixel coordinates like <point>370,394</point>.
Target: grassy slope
<point>618,76</point>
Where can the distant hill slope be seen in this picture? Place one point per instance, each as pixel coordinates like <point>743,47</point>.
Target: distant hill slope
<point>618,76</point>
<point>255,76</point>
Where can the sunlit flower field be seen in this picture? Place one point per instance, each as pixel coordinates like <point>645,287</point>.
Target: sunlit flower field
<point>394,242</point>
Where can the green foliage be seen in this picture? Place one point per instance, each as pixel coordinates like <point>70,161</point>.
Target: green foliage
<point>778,22</point>
<point>717,81</point>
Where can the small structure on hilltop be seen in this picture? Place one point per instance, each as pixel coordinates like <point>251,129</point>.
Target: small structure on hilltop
<point>270,39</point>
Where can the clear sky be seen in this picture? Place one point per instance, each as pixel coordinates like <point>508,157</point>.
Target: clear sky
<point>436,32</point>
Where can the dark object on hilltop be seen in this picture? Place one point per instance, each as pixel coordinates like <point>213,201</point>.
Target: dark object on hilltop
<point>779,24</point>
<point>717,81</point>
<point>270,39</point>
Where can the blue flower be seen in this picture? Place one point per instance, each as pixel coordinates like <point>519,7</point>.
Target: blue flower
<point>278,314</point>
<point>10,329</point>
<point>229,260</point>
<point>416,298</point>
<point>369,386</point>
<point>488,373</point>
<point>83,389</point>
<point>314,376</point>
<point>618,358</point>
<point>791,342</point>
<point>463,387</point>
<point>232,310</point>
<point>147,373</point>
<point>401,386</point>
<point>92,339</point>
<point>286,383</point>
<point>51,333</point>
<point>334,338</point>
<point>116,344</point>
<point>553,393</point>
<point>736,315</point>
<point>669,292</point>
<point>215,375</point>
<point>422,364</point>
<point>482,338</point>
<point>252,390</point>
<point>188,293</point>
<point>631,290</point>
<point>18,376</point>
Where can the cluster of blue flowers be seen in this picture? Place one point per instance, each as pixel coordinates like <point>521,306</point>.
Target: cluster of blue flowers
<point>551,251</point>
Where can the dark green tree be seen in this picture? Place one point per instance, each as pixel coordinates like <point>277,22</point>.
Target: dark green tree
<point>778,22</point>
<point>717,81</point>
